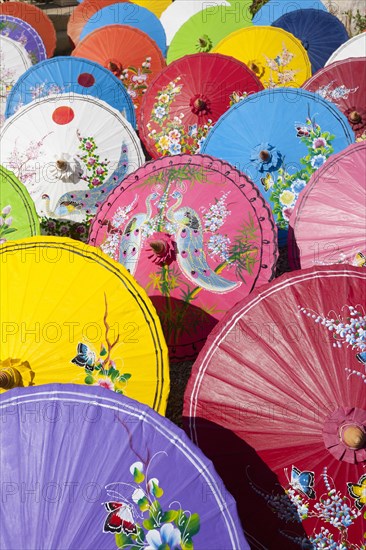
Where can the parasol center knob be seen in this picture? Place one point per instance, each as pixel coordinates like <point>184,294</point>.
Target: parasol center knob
<point>353,437</point>
<point>10,378</point>
<point>159,247</point>
<point>354,116</point>
<point>61,165</point>
<point>306,44</point>
<point>200,104</point>
<point>114,66</point>
<point>265,155</point>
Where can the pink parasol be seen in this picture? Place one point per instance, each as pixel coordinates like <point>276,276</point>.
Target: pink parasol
<point>197,236</point>
<point>277,400</point>
<point>328,224</point>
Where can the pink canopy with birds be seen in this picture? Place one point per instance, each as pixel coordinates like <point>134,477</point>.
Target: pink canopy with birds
<point>196,234</point>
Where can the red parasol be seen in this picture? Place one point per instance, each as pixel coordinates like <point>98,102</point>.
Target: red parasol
<point>344,84</point>
<point>278,395</point>
<point>188,97</point>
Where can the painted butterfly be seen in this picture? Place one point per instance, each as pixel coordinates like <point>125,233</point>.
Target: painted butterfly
<point>361,357</point>
<point>119,519</point>
<point>358,492</point>
<point>360,260</point>
<point>303,482</point>
<point>267,182</point>
<point>85,357</point>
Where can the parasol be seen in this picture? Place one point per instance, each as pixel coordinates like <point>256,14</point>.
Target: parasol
<point>69,153</point>
<point>196,235</point>
<point>274,55</point>
<point>279,138</point>
<point>180,11</point>
<point>273,9</point>
<point>188,97</point>
<point>354,47</point>
<point>25,34</point>
<point>14,60</point>
<point>135,67</point>
<point>82,13</point>
<point>206,28</point>
<point>70,314</point>
<point>18,217</point>
<point>35,17</point>
<point>328,225</point>
<point>320,32</point>
<point>70,75</point>
<point>343,83</point>
<point>277,400</point>
<point>126,13</point>
<point>144,486</point>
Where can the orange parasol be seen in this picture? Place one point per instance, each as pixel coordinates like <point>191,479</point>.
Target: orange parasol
<point>81,15</point>
<point>36,18</point>
<point>111,47</point>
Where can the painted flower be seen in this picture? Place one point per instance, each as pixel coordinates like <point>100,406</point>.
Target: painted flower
<point>286,213</point>
<point>168,537</point>
<point>287,198</point>
<point>163,143</point>
<point>174,135</point>
<point>9,221</point>
<point>6,210</point>
<point>100,170</point>
<point>91,161</point>
<point>175,148</point>
<point>2,241</point>
<point>192,130</point>
<point>105,382</point>
<point>159,112</point>
<point>318,161</point>
<point>265,157</point>
<point>95,182</point>
<point>319,142</point>
<point>88,145</point>
<point>200,142</point>
<point>164,98</point>
<point>298,186</point>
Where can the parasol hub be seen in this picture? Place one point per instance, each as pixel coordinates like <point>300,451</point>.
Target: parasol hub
<point>354,116</point>
<point>159,247</point>
<point>265,155</point>
<point>200,105</point>
<point>61,165</point>
<point>353,436</point>
<point>10,378</point>
<point>114,66</point>
<point>204,43</point>
<point>305,44</point>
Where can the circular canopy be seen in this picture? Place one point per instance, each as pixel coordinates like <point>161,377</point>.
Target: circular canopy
<point>328,225</point>
<point>145,485</point>
<point>274,55</point>
<point>277,384</point>
<point>14,60</point>
<point>320,32</point>
<point>69,153</point>
<point>25,34</point>
<point>136,67</point>
<point>71,314</point>
<point>273,9</point>
<point>18,217</point>
<point>196,235</point>
<point>82,13</point>
<point>344,84</point>
<point>279,138</point>
<point>155,6</point>
<point>70,75</point>
<point>37,18</point>
<point>188,97</point>
<point>354,47</point>
<point>126,13</point>
<point>180,11</point>
<point>206,28</point>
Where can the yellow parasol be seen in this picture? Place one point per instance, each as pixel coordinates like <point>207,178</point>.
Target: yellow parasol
<point>274,55</point>
<point>70,314</point>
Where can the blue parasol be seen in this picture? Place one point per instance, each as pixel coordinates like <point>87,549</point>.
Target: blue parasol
<point>70,75</point>
<point>120,14</point>
<point>274,9</point>
<point>320,32</point>
<point>279,138</point>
